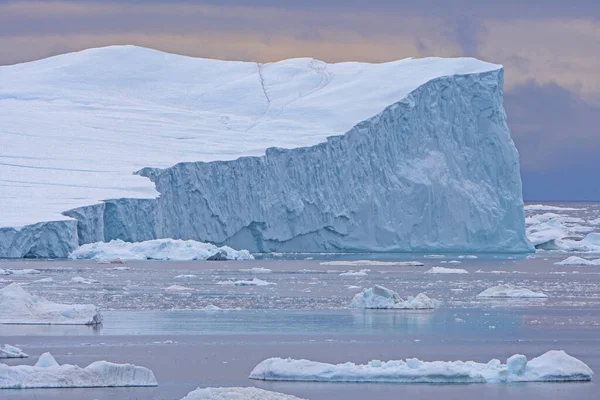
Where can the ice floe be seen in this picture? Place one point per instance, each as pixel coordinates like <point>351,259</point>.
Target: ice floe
<point>442,270</point>
<point>26,271</point>
<point>360,263</point>
<point>237,393</point>
<point>560,232</point>
<point>158,249</point>
<point>552,366</point>
<point>20,307</point>
<point>82,280</point>
<point>252,282</point>
<point>510,291</point>
<point>47,373</point>
<point>257,270</point>
<point>379,297</point>
<point>574,260</point>
<point>362,272</point>
<point>178,288</point>
<point>8,351</point>
<point>543,207</point>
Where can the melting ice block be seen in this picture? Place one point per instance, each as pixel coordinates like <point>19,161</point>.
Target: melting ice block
<point>379,297</point>
<point>553,366</point>
<point>236,393</point>
<point>19,307</point>
<point>47,373</point>
<point>8,351</point>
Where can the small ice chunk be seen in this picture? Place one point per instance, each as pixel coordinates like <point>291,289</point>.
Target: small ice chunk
<point>237,393</point>
<point>510,291</point>
<point>362,272</point>
<point>442,270</point>
<point>252,282</point>
<point>257,270</point>
<point>360,263</point>
<point>46,360</point>
<point>82,280</point>
<point>574,260</point>
<point>178,288</point>
<point>379,297</point>
<point>8,351</point>
<point>212,307</point>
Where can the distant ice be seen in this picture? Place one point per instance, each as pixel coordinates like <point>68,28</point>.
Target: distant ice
<point>20,307</point>
<point>185,276</point>
<point>362,272</point>
<point>360,263</point>
<point>574,260</point>
<point>552,366</point>
<point>25,271</point>
<point>178,288</point>
<point>252,282</point>
<point>543,207</point>
<point>237,393</point>
<point>44,280</point>
<point>85,281</point>
<point>510,291</point>
<point>257,270</point>
<point>379,297</point>
<point>47,373</point>
<point>442,270</point>
<point>212,307</point>
<point>8,351</point>
<point>158,249</point>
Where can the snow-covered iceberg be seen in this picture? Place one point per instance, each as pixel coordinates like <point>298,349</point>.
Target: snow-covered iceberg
<point>237,393</point>
<point>47,373</point>
<point>264,157</point>
<point>511,291</point>
<point>553,366</point>
<point>8,351</point>
<point>379,297</point>
<point>159,249</point>
<point>19,307</point>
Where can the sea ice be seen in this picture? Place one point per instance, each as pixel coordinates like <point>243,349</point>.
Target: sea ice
<point>360,263</point>
<point>26,271</point>
<point>82,280</point>
<point>178,288</point>
<point>442,270</point>
<point>158,249</point>
<point>510,291</point>
<point>257,270</point>
<point>552,366</point>
<point>47,373</point>
<point>574,260</point>
<point>362,272</point>
<point>237,393</point>
<point>543,207</point>
<point>252,282</point>
<point>379,297</point>
<point>20,307</point>
<point>8,351</point>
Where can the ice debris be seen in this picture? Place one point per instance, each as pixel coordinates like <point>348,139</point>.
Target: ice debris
<point>442,270</point>
<point>379,297</point>
<point>237,393</point>
<point>8,351</point>
<point>510,291</point>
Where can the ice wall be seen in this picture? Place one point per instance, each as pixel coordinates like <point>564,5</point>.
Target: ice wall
<point>436,171</point>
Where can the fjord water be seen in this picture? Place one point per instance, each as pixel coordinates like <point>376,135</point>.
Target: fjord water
<point>305,315</point>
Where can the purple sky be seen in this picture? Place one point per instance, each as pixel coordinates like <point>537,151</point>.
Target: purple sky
<point>550,49</point>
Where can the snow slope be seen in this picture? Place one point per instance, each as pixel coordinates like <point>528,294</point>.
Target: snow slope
<point>47,373</point>
<point>75,127</point>
<point>19,307</point>
<point>553,366</point>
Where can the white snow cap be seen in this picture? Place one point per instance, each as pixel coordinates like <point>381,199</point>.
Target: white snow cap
<point>8,351</point>
<point>237,393</point>
<point>20,307</point>
<point>47,373</point>
<point>145,108</point>
<point>158,249</point>
<point>379,297</point>
<point>510,291</point>
<point>553,366</point>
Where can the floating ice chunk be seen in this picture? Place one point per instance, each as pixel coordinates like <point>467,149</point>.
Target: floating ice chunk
<point>442,270</point>
<point>594,221</point>
<point>212,307</point>
<point>252,282</point>
<point>178,288</point>
<point>44,280</point>
<point>379,297</point>
<point>510,291</point>
<point>188,276</point>
<point>8,351</point>
<point>574,260</point>
<point>553,366</point>
<point>468,256</point>
<point>120,269</point>
<point>47,373</point>
<point>158,249</point>
<point>82,280</point>
<point>360,263</point>
<point>542,207</point>
<point>26,271</point>
<point>237,393</point>
<point>362,272</point>
<point>257,270</point>
<point>112,261</point>
<point>20,307</point>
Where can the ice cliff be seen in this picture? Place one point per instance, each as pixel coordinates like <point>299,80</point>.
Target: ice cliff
<point>298,155</point>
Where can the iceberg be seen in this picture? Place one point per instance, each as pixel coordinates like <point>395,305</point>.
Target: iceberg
<point>237,393</point>
<point>442,270</point>
<point>159,249</point>
<point>252,282</point>
<point>362,272</point>
<point>511,291</point>
<point>579,261</point>
<point>20,307</point>
<point>47,373</point>
<point>552,366</point>
<point>8,351</point>
<point>296,155</point>
<point>379,297</point>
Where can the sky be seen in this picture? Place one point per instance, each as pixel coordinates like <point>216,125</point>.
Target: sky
<point>550,50</point>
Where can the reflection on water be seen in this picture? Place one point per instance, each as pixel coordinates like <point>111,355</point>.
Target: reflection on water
<point>410,321</point>
<point>49,330</point>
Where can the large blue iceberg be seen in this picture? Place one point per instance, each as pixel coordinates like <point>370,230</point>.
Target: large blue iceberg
<point>433,170</point>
